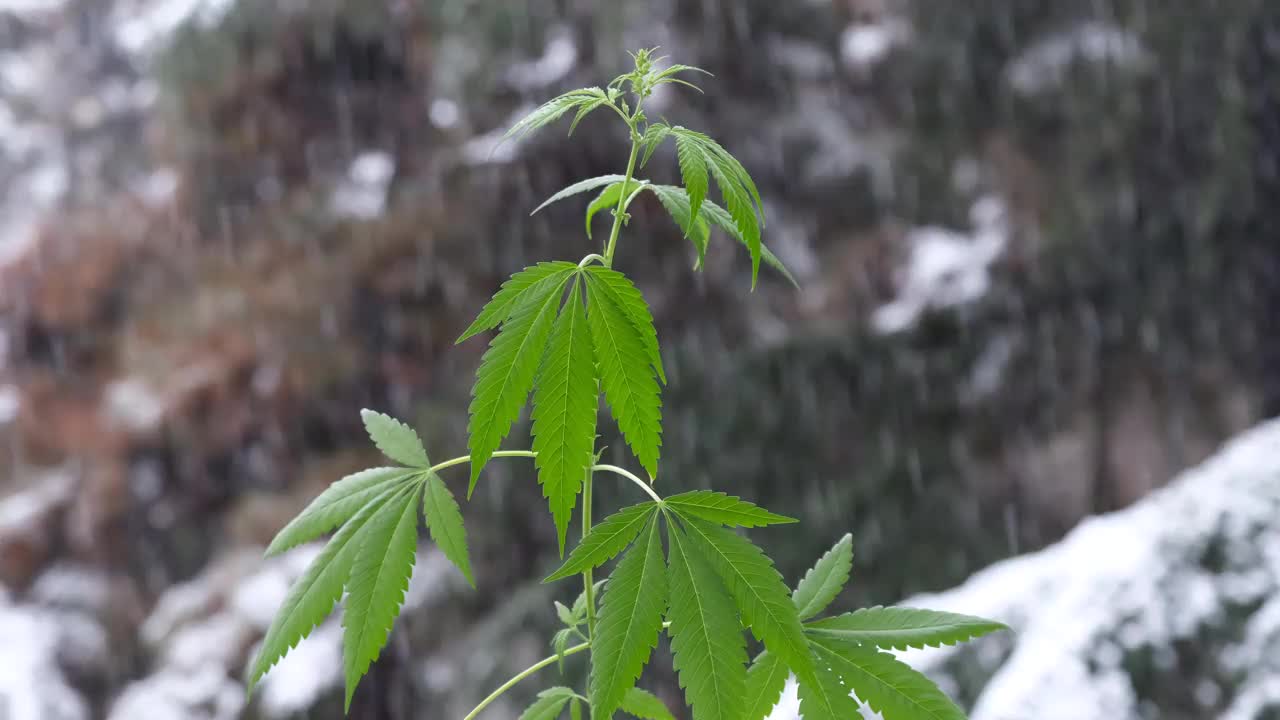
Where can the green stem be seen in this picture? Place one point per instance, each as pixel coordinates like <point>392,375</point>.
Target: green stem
<point>630,476</point>
<point>586,488</point>
<point>620,211</point>
<point>467,458</point>
<point>513,681</point>
<point>588,582</point>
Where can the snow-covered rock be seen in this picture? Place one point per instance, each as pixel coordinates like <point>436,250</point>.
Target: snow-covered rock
<point>1170,608</point>
<point>1115,619</point>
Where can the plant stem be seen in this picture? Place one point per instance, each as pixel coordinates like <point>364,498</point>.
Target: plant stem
<point>586,494</point>
<point>467,458</point>
<point>513,681</point>
<point>619,211</point>
<point>588,582</point>
<point>630,476</point>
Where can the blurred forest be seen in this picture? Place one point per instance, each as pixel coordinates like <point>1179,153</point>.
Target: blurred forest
<point>1037,244</point>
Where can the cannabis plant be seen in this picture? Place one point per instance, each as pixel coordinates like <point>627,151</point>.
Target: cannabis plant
<point>569,332</point>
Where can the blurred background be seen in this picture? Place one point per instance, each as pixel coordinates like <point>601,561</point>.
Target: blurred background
<point>1038,244</point>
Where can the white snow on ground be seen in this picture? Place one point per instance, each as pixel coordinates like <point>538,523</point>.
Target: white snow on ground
<point>1257,657</point>
<point>1131,580</point>
<point>1043,66</point>
<point>204,692</point>
<point>1127,580</point>
<point>211,620</point>
<point>946,268</point>
<point>32,685</point>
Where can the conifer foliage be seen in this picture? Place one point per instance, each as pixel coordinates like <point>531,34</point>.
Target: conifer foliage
<point>567,335</point>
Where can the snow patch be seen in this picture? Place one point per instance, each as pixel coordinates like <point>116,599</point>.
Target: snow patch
<point>865,45</point>
<point>133,403</point>
<point>159,187</point>
<point>32,685</point>
<point>70,586</point>
<point>179,695</point>
<point>305,675</point>
<point>1044,65</point>
<point>557,60</point>
<point>29,506</point>
<point>362,195</point>
<point>1132,579</point>
<point>946,268</point>
<point>143,27</point>
<point>1137,579</point>
<point>444,113</point>
<point>218,640</point>
<point>10,397</point>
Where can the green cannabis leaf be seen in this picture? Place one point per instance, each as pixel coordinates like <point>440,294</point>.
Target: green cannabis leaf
<point>824,698</point>
<point>606,540</point>
<point>757,589</point>
<point>313,596</point>
<point>653,137</point>
<point>564,411</point>
<point>901,627</point>
<point>700,155</point>
<point>395,439</point>
<point>531,282</point>
<point>444,520</point>
<point>338,503</point>
<point>580,187</point>
<point>693,170</point>
<point>630,619</point>
<point>560,643</point>
<point>627,362</point>
<point>623,294</point>
<point>885,684</point>
<point>372,555</point>
<point>724,509</point>
<point>555,108</point>
<point>645,705</point>
<point>568,333</point>
<point>506,372</point>
<point>608,198</point>
<point>549,705</point>
<point>379,579</point>
<point>579,609</point>
<point>824,581</point>
<point>677,204</point>
<point>766,679</point>
<point>708,648</point>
